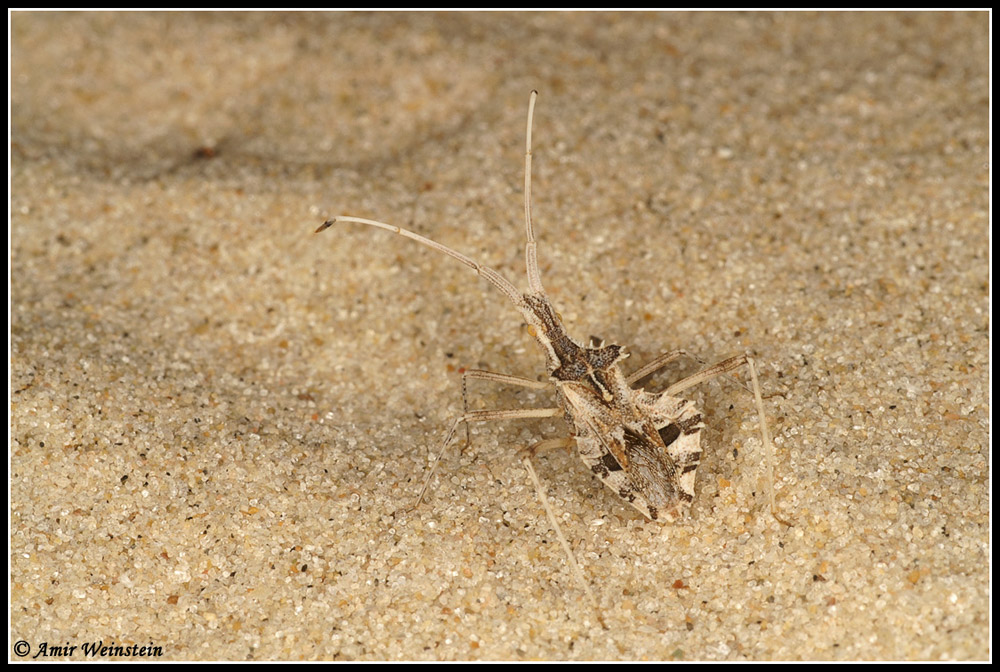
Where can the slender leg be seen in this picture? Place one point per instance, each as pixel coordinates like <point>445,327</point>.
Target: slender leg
<point>554,522</point>
<point>503,378</point>
<point>723,367</point>
<point>548,444</point>
<point>655,365</point>
<point>765,437</point>
<point>481,416</point>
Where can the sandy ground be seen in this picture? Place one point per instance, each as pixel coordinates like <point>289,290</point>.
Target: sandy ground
<point>215,414</point>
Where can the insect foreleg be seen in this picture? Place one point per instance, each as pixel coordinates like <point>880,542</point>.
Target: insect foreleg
<point>506,379</point>
<point>503,378</point>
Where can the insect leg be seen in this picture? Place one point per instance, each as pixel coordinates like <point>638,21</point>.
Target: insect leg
<point>723,367</point>
<point>666,358</point>
<point>766,438</point>
<point>655,365</point>
<point>548,444</point>
<point>506,378</point>
<point>481,416</point>
<point>574,565</point>
<point>503,378</point>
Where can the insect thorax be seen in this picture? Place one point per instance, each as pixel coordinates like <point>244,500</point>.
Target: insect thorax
<point>569,361</point>
<point>644,447</point>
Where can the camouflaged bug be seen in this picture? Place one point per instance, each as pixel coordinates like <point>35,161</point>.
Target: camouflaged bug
<point>645,446</point>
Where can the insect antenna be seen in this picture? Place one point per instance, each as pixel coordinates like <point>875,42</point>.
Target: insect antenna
<point>530,256</point>
<point>495,278</point>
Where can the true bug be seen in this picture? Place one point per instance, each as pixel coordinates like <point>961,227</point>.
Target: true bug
<point>645,446</point>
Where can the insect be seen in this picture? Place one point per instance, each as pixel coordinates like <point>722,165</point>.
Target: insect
<point>645,446</point>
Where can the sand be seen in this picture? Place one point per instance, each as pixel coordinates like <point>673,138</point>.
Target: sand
<point>218,420</point>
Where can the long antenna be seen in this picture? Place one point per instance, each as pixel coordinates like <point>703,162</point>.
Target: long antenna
<point>495,278</point>
<point>530,258</point>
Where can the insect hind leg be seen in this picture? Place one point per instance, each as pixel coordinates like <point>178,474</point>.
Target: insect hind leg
<point>658,363</point>
<point>724,367</point>
<point>470,416</point>
<point>554,522</point>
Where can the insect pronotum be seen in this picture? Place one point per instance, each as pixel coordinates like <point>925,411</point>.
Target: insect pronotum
<point>645,446</point>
